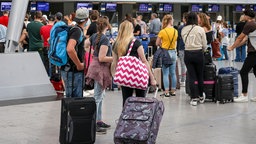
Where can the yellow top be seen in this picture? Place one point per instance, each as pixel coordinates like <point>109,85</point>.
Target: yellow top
<point>166,41</point>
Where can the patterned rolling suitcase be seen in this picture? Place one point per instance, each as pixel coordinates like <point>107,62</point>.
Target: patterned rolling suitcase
<point>78,121</point>
<point>224,88</point>
<point>139,121</point>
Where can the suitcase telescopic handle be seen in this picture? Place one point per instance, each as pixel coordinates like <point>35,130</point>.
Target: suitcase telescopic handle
<point>156,91</point>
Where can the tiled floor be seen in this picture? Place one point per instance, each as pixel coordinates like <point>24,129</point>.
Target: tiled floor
<point>209,123</point>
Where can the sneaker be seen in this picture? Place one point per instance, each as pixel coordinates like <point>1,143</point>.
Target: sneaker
<point>241,99</point>
<point>193,102</point>
<point>165,95</point>
<point>103,125</point>
<point>182,84</point>
<point>202,99</point>
<point>172,93</point>
<point>100,130</point>
<point>91,92</point>
<point>253,99</point>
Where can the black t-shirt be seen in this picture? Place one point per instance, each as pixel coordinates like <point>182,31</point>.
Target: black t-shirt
<point>240,27</point>
<point>103,41</point>
<point>135,47</point>
<point>92,29</point>
<point>209,37</point>
<point>75,33</point>
<point>136,29</point>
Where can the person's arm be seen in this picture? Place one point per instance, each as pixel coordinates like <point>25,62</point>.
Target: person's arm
<point>241,39</point>
<point>145,28</point>
<point>114,63</point>
<point>87,44</point>
<point>204,41</point>
<point>23,36</point>
<point>158,41</point>
<point>140,51</point>
<point>73,54</point>
<point>102,54</point>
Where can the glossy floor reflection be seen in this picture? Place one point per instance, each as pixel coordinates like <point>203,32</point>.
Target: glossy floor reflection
<point>209,123</point>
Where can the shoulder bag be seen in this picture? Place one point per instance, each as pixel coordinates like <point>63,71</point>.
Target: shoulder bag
<point>131,72</point>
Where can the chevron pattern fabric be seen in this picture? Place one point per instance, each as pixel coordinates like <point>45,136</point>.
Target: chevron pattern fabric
<point>131,72</point>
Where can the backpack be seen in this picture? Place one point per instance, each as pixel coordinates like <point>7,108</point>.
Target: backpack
<point>58,43</point>
<point>252,37</point>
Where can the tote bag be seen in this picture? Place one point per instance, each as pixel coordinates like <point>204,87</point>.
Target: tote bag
<point>131,72</point>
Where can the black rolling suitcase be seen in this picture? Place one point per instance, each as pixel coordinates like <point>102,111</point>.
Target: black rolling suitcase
<point>224,88</point>
<point>78,121</point>
<point>209,80</point>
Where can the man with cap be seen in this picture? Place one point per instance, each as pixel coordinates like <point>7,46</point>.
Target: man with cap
<point>72,73</point>
<point>250,61</point>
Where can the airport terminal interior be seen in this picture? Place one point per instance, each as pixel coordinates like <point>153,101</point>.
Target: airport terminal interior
<point>37,120</point>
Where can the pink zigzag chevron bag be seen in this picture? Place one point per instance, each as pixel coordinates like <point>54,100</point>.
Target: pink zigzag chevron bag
<point>131,72</point>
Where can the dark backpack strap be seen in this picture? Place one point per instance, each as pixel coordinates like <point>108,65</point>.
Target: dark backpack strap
<point>189,33</point>
<point>169,38</point>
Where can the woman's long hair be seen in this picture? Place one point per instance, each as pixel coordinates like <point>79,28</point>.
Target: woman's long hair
<point>204,21</point>
<point>166,20</point>
<point>102,24</point>
<point>124,37</point>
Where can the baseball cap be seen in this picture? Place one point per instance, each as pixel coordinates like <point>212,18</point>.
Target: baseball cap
<point>45,16</point>
<point>81,14</point>
<point>59,16</point>
<point>219,18</point>
<point>249,13</point>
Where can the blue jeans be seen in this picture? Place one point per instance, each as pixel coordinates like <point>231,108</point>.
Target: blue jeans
<point>182,66</point>
<point>76,83</point>
<point>225,52</point>
<point>170,70</point>
<point>240,53</point>
<point>99,94</point>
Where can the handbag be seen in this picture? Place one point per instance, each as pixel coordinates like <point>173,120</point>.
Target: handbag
<point>131,72</point>
<point>216,49</point>
<point>87,61</point>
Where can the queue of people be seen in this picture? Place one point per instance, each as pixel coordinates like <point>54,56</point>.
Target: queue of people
<point>187,43</point>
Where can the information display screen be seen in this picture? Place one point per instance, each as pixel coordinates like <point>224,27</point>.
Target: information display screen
<point>32,6</point>
<point>144,7</point>
<point>240,8</point>
<point>168,7</point>
<point>213,8</point>
<point>103,7</point>
<point>196,8</point>
<point>111,7</point>
<point>6,6</point>
<point>42,6</point>
<point>86,5</point>
<point>253,7</point>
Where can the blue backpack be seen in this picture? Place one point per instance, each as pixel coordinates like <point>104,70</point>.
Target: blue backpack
<point>58,43</point>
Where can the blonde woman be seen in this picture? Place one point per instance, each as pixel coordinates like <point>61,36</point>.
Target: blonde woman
<point>167,39</point>
<point>120,48</point>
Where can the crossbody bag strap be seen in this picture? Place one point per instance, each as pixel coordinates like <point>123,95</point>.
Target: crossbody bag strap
<point>169,37</point>
<point>189,33</point>
<point>130,48</point>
